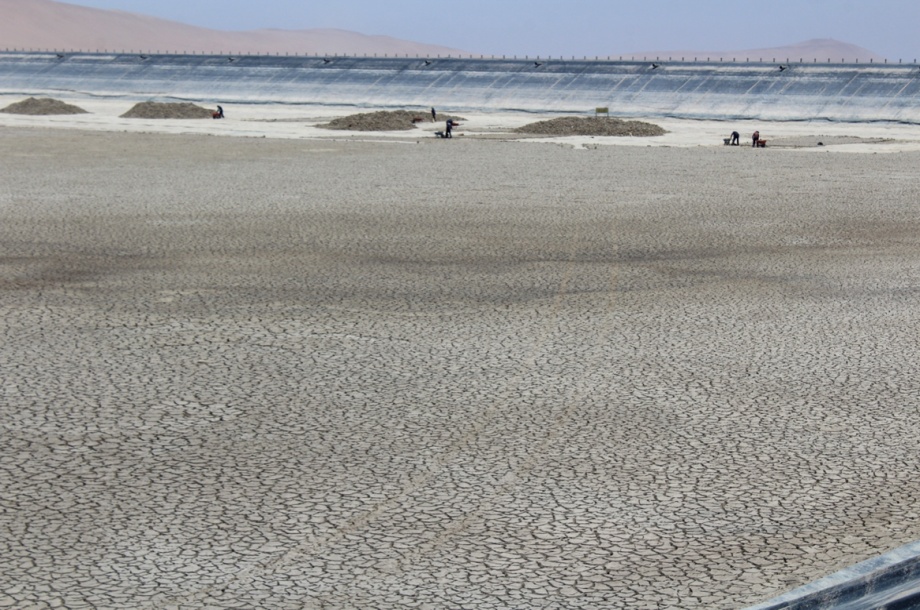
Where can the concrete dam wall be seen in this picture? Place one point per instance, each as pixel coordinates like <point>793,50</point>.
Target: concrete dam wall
<point>692,90</point>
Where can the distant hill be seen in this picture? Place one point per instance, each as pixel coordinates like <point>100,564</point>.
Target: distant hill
<point>822,49</point>
<point>52,25</point>
<point>46,24</point>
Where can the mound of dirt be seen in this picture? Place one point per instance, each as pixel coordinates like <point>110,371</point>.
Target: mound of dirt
<point>384,120</point>
<point>42,106</point>
<point>158,110</point>
<point>591,126</point>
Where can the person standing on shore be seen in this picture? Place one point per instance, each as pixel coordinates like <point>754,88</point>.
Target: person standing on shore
<point>450,124</point>
<point>756,138</point>
<point>434,115</point>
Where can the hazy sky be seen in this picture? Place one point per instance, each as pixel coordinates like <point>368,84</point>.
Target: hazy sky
<point>569,27</point>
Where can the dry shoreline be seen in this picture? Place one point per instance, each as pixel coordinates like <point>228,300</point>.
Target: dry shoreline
<point>247,372</point>
<point>280,121</point>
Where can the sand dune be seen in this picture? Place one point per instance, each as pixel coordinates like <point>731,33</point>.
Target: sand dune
<point>45,24</point>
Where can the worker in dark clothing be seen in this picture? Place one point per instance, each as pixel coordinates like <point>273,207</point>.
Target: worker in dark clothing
<point>756,138</point>
<point>450,124</point>
<point>434,115</point>
<point>736,139</point>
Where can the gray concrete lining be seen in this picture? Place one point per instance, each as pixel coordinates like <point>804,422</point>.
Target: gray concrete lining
<point>889,581</point>
<point>696,90</point>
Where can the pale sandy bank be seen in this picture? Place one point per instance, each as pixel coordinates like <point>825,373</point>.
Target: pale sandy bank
<point>303,122</point>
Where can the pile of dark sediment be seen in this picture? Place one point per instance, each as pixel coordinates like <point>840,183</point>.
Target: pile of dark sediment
<point>42,106</point>
<point>591,126</point>
<point>384,120</point>
<point>158,110</point>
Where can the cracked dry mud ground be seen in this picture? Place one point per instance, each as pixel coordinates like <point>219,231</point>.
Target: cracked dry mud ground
<point>280,374</point>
